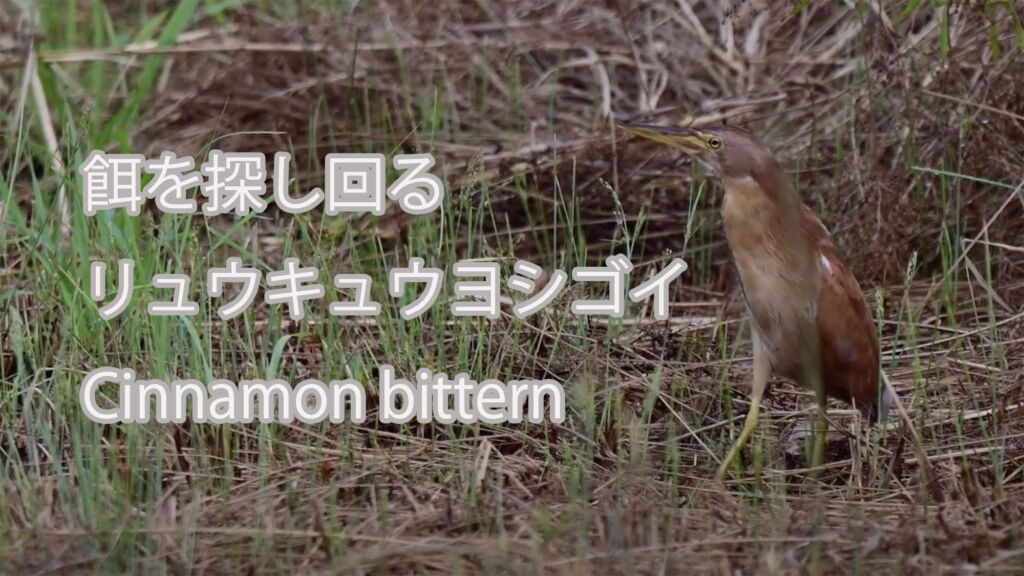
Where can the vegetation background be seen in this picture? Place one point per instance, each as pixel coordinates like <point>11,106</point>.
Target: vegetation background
<point>903,126</point>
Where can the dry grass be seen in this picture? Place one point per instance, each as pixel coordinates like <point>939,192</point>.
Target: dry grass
<point>907,145</point>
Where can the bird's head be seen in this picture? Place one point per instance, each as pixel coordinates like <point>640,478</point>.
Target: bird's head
<point>728,152</point>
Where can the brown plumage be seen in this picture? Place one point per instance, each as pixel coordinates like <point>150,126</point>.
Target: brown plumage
<point>809,319</point>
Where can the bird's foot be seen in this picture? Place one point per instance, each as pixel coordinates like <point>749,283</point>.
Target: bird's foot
<point>749,425</point>
<point>811,443</point>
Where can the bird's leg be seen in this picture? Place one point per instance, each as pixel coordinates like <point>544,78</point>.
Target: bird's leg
<point>820,436</point>
<point>814,378</point>
<point>762,369</point>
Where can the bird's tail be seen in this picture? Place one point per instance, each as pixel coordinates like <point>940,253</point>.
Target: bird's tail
<point>878,411</point>
<point>884,404</point>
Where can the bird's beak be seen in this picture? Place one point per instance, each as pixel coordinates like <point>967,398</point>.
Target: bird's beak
<point>688,140</point>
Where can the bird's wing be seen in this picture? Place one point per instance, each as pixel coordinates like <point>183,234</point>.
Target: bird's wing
<point>846,329</point>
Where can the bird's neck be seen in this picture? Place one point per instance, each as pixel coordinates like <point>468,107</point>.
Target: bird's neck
<point>777,186</point>
<point>761,214</point>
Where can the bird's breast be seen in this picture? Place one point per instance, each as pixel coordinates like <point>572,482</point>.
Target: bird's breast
<point>779,309</point>
<point>780,295</point>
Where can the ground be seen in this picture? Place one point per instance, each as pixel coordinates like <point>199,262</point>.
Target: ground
<point>901,124</point>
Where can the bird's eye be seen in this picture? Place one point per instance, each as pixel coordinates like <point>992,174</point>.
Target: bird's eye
<point>715,142</point>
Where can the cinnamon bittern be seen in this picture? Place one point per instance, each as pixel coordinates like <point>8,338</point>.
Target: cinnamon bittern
<point>809,320</point>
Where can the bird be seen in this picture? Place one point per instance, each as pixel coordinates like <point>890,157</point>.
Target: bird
<point>810,322</point>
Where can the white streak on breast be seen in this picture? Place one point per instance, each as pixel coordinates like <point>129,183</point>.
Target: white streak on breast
<point>737,180</point>
<point>825,263</point>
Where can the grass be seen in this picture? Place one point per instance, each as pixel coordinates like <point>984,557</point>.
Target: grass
<point>900,131</point>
